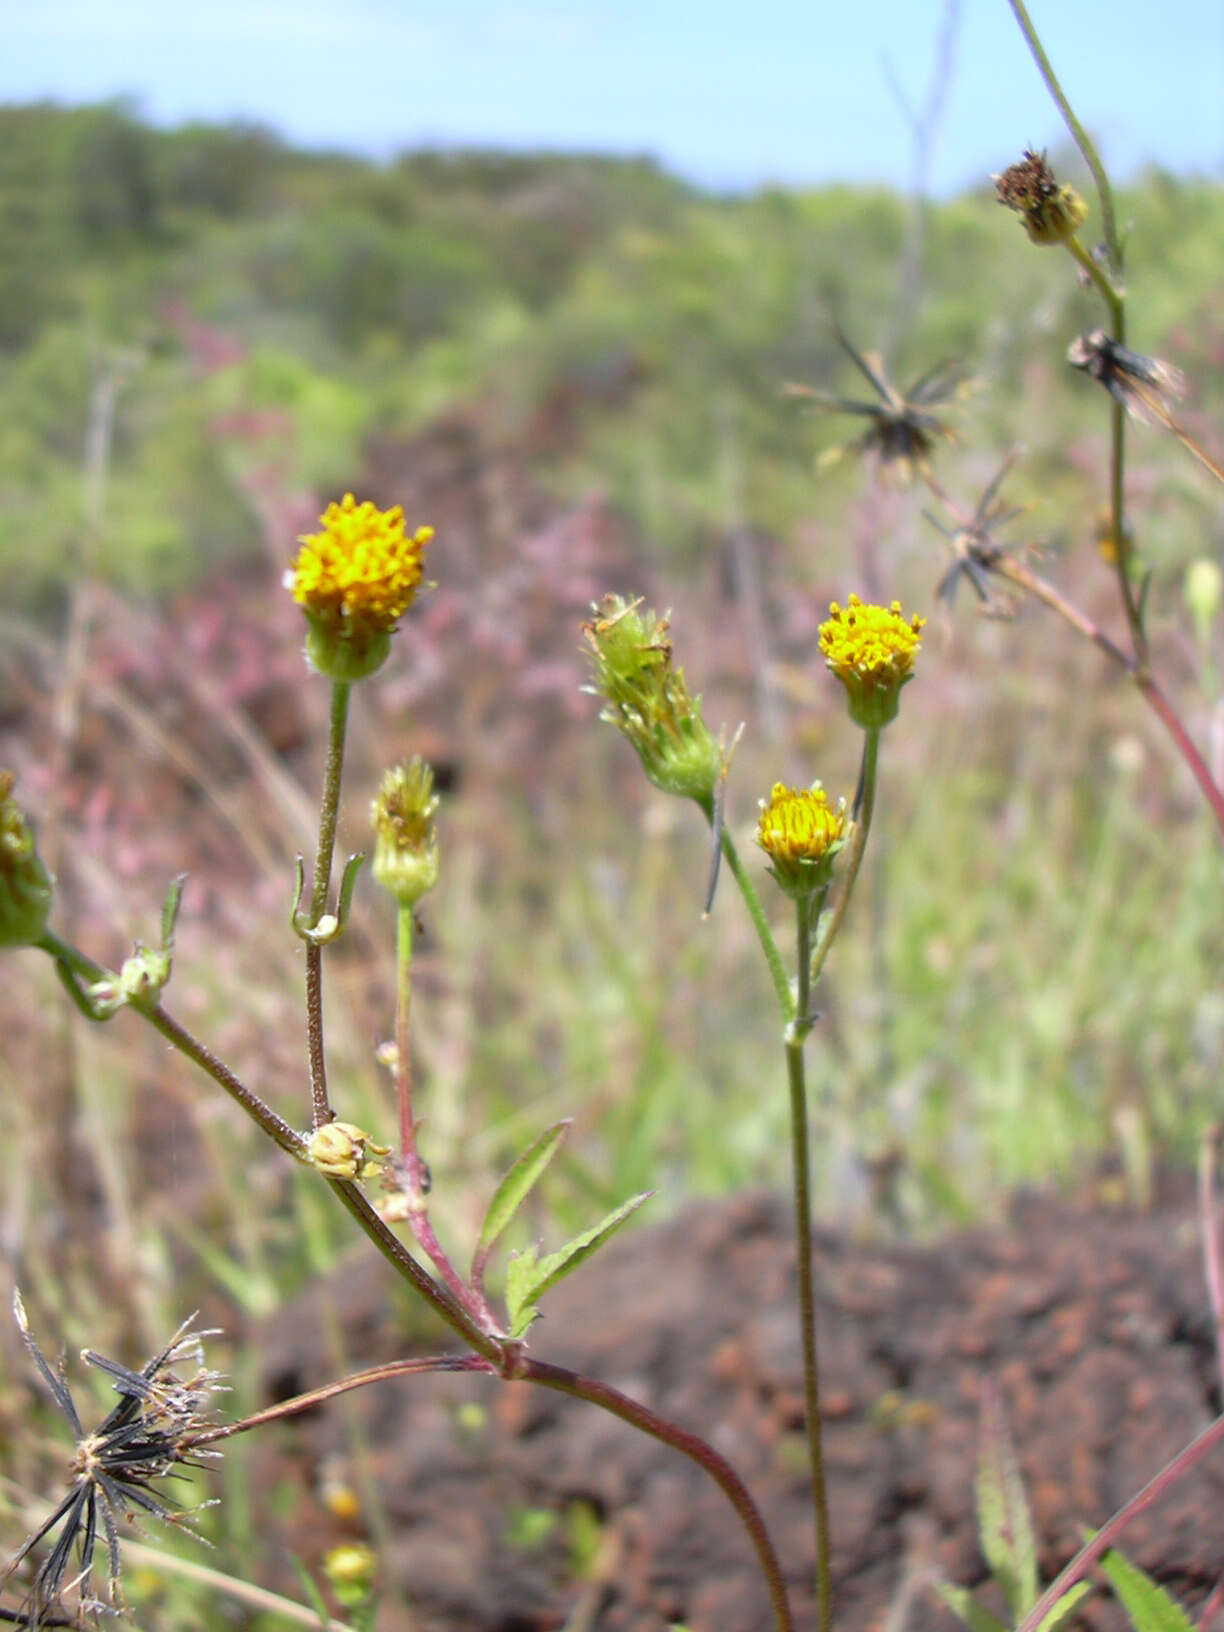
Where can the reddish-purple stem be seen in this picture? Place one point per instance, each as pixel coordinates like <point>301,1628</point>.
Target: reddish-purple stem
<point>1108,1534</point>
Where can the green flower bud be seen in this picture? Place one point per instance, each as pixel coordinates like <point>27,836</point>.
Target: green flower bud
<point>1203,588</point>
<point>26,887</point>
<point>647,700</point>
<point>406,836</point>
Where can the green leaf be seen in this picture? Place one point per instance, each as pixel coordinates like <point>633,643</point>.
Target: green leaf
<point>317,1601</point>
<point>530,1276</point>
<point>1150,1607</point>
<point>962,1602</point>
<point>1004,1526</point>
<point>1065,1606</point>
<point>517,1185</point>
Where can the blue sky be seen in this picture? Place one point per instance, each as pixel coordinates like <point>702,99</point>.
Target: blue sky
<point>728,93</point>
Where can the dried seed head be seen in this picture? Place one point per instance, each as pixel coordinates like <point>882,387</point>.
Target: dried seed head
<point>1051,212</point>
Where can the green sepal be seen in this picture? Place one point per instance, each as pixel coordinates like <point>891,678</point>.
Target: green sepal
<point>346,656</point>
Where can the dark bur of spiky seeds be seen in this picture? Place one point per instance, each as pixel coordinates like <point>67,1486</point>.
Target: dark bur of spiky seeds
<point>147,1436</point>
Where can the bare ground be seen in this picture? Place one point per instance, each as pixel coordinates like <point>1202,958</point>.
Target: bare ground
<point>1093,1322</point>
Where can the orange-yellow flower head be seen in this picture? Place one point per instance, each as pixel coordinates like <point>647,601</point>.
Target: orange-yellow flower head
<point>355,580</point>
<point>801,833</point>
<point>871,650</point>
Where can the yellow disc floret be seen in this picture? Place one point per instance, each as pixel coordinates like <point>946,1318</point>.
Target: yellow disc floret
<point>801,832</point>
<point>871,650</point>
<point>355,579</point>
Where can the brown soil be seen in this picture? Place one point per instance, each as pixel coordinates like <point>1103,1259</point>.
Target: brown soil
<point>1093,1322</point>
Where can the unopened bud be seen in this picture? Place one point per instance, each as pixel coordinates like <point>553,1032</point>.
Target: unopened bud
<point>648,701</point>
<point>26,887</point>
<point>406,841</point>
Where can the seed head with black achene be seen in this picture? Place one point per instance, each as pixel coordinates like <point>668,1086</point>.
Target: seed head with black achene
<point>146,1437</point>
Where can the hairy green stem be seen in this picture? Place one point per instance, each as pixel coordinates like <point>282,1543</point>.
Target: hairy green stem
<point>329,814</point>
<point>1114,297</point>
<point>806,910</point>
<point>411,1367</point>
<point>773,958</point>
<point>444,1301</point>
<point>1079,134</point>
<point>1111,296</point>
<point>289,1139</point>
<point>403,1053</point>
<point>865,804</point>
<point>697,1450</point>
<point>413,1169</point>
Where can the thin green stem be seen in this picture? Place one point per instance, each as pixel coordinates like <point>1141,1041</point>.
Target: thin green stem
<point>273,1125</point>
<point>403,1050</point>
<point>773,958</point>
<point>329,813</point>
<point>1112,297</point>
<point>796,1033</point>
<point>720,1470</point>
<point>64,952</point>
<point>447,1304</point>
<point>858,843</point>
<point>1078,133</point>
<point>443,1301</point>
<point>414,1366</point>
<point>413,1170</point>
<point>329,809</point>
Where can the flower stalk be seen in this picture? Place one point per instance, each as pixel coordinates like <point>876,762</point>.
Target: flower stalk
<point>329,814</point>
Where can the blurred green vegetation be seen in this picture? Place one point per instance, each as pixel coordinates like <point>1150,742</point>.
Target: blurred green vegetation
<point>1029,978</point>
<point>359,299</point>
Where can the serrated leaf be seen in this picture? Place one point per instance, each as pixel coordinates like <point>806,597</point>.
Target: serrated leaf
<point>1004,1526</point>
<point>1150,1607</point>
<point>1066,1606</point>
<point>962,1603</point>
<point>518,1184</point>
<point>520,1279</point>
<point>530,1276</point>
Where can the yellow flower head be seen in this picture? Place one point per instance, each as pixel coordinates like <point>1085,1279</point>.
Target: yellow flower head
<point>871,650</point>
<point>801,833</point>
<point>351,1569</point>
<point>355,580</point>
<point>1051,212</point>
